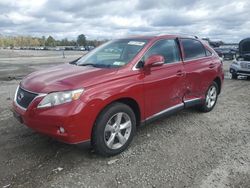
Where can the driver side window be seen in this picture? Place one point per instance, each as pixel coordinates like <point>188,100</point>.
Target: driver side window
<point>167,48</point>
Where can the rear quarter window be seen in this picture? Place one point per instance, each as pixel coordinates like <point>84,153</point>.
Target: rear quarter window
<point>208,52</point>
<point>193,49</point>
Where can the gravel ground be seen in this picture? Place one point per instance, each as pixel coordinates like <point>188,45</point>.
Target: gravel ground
<point>188,149</point>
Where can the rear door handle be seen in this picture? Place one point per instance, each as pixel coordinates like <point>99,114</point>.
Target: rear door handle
<point>211,65</point>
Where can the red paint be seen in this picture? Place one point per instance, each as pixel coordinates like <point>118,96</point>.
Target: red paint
<point>154,89</point>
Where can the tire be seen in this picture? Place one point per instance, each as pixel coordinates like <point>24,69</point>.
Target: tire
<point>234,76</point>
<point>114,129</point>
<point>210,99</point>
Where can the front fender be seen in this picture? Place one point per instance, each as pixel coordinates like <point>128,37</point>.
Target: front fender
<point>97,97</point>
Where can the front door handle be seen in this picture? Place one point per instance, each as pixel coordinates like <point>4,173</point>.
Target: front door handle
<point>180,73</point>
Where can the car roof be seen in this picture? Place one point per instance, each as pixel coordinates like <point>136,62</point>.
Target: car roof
<point>159,36</point>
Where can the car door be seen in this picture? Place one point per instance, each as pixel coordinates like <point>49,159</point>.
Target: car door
<point>199,68</point>
<point>164,85</point>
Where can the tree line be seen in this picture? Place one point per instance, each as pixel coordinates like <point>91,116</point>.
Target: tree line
<point>29,41</point>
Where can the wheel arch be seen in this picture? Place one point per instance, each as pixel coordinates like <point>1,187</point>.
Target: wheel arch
<point>132,103</point>
<point>217,80</point>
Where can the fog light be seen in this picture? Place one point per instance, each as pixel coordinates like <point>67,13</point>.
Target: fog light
<point>62,130</point>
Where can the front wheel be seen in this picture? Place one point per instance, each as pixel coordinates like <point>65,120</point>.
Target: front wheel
<point>233,76</point>
<point>210,98</point>
<point>114,129</point>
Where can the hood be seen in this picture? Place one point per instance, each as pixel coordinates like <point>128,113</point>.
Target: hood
<point>66,77</point>
<point>244,47</point>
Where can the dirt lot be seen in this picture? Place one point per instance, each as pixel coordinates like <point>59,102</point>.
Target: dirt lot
<point>188,149</point>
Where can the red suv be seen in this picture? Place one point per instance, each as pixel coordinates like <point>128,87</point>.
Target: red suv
<point>102,96</point>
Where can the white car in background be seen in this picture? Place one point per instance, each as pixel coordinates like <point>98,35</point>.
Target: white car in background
<point>241,66</point>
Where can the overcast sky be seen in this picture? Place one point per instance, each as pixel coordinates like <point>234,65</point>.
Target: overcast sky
<point>228,20</point>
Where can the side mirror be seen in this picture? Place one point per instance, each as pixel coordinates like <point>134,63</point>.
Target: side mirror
<point>154,61</point>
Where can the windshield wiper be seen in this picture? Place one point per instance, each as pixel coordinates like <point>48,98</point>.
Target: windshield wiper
<point>96,65</point>
<point>87,64</point>
<point>74,62</point>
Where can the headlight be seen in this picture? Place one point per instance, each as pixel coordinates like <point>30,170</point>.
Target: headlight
<point>56,98</point>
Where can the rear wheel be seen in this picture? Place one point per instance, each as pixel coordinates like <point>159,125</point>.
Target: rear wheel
<point>210,98</point>
<point>114,129</point>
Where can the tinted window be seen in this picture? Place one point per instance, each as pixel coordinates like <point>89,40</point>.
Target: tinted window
<point>246,47</point>
<point>193,49</point>
<point>167,48</point>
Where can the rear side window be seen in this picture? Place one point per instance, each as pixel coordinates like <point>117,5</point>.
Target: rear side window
<point>193,49</point>
<point>167,48</point>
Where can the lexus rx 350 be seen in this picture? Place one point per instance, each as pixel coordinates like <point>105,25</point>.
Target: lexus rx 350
<point>103,96</point>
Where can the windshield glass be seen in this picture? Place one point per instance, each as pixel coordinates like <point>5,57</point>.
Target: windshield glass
<point>246,47</point>
<point>115,53</point>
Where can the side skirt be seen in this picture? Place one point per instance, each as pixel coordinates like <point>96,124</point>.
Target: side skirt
<point>172,110</point>
<point>193,102</point>
<point>164,113</point>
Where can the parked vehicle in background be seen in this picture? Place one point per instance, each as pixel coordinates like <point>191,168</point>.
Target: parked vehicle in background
<point>226,53</point>
<point>103,96</point>
<point>81,48</point>
<point>213,44</point>
<point>241,66</point>
<point>89,48</point>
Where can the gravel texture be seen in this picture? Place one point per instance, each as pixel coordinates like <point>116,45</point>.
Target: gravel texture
<point>188,149</point>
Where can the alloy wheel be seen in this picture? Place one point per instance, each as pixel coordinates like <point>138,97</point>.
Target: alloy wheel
<point>117,131</point>
<point>211,97</point>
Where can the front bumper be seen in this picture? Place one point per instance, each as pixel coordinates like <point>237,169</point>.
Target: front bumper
<point>238,70</point>
<point>50,121</point>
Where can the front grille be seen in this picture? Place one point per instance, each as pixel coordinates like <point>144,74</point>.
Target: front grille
<point>24,98</point>
<point>243,72</point>
<point>229,56</point>
<point>245,65</point>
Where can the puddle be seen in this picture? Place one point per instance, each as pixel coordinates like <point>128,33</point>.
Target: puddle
<point>8,69</point>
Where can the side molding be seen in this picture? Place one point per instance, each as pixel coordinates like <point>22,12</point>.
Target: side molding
<point>173,109</point>
<point>164,113</point>
<point>192,102</point>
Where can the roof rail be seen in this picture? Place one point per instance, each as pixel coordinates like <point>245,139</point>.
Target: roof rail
<point>180,34</point>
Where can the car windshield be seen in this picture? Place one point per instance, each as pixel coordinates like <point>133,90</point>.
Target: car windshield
<point>115,53</point>
<point>246,47</point>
